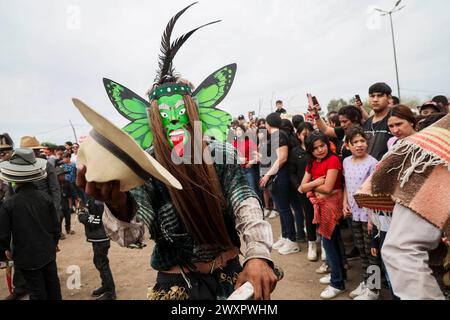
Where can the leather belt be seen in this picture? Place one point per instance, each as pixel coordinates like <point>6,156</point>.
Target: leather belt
<point>208,267</point>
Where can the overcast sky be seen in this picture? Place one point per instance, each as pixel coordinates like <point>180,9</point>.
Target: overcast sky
<point>55,50</point>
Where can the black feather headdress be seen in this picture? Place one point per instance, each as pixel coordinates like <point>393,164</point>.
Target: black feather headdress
<point>166,71</point>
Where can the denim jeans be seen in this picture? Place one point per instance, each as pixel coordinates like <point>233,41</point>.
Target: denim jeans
<point>296,206</point>
<point>307,215</point>
<point>335,259</point>
<point>252,175</point>
<point>101,263</point>
<point>280,195</point>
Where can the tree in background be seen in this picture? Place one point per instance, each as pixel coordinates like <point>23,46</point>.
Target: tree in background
<point>336,104</point>
<point>48,144</point>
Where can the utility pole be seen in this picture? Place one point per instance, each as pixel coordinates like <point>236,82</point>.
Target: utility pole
<point>384,13</point>
<point>74,132</point>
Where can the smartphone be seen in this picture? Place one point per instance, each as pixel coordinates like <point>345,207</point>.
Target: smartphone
<point>310,101</point>
<point>358,98</point>
<point>314,101</point>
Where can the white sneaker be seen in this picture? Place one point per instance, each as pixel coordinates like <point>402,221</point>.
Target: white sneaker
<point>273,214</point>
<point>324,268</point>
<point>368,294</point>
<point>358,291</point>
<point>330,293</point>
<point>280,243</point>
<point>289,247</point>
<point>325,279</point>
<point>323,255</point>
<point>312,251</point>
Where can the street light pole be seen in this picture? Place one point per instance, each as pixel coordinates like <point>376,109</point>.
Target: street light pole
<point>395,9</point>
<point>395,56</point>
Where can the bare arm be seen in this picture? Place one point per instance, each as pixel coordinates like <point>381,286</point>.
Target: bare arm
<point>364,113</point>
<point>282,156</point>
<point>346,208</point>
<point>321,125</point>
<point>330,181</point>
<point>308,185</point>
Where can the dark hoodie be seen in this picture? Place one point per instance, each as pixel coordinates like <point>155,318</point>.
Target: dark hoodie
<point>92,220</point>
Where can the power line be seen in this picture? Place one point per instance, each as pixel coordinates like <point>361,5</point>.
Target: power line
<point>51,130</point>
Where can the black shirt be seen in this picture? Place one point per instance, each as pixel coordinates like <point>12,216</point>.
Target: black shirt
<point>298,160</point>
<point>280,111</point>
<point>341,150</point>
<point>268,150</point>
<point>378,134</point>
<point>29,217</point>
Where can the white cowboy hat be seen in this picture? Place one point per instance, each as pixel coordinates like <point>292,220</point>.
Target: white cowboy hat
<point>23,167</point>
<point>111,154</point>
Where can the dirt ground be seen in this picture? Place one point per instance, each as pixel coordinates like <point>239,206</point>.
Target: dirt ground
<point>133,274</point>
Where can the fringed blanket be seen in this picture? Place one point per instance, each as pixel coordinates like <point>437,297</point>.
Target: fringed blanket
<point>416,174</point>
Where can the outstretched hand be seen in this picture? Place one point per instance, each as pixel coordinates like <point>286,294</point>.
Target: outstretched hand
<point>261,276</point>
<point>107,192</point>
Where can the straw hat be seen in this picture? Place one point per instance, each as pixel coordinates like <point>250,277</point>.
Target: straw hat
<point>30,142</point>
<point>23,167</point>
<point>111,154</point>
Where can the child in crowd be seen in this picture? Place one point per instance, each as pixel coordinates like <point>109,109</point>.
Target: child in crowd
<point>322,182</point>
<point>95,233</point>
<point>71,176</point>
<point>65,196</point>
<point>357,169</point>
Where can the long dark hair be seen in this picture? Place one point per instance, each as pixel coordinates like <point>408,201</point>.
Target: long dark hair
<point>403,112</point>
<point>201,203</point>
<point>352,113</point>
<point>309,144</point>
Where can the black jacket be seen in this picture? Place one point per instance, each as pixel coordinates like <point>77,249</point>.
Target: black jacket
<point>50,185</point>
<point>298,160</point>
<point>92,220</point>
<point>29,218</point>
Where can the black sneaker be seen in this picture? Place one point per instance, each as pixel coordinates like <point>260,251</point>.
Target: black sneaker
<point>98,292</point>
<point>107,296</point>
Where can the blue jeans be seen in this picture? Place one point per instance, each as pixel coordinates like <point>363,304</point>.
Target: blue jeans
<point>335,259</point>
<point>298,211</point>
<point>382,237</point>
<point>279,190</point>
<point>252,175</point>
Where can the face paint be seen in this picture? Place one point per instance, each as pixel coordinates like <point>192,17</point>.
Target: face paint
<point>174,120</point>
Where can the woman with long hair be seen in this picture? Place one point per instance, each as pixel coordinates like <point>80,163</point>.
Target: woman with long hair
<point>298,160</point>
<point>276,174</point>
<point>401,122</point>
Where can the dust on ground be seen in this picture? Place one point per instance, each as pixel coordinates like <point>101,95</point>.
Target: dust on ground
<point>133,275</point>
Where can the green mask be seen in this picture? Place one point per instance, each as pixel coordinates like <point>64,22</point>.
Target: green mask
<point>174,120</point>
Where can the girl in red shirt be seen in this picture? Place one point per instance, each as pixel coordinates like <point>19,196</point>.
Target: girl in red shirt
<point>323,182</point>
<point>247,149</point>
